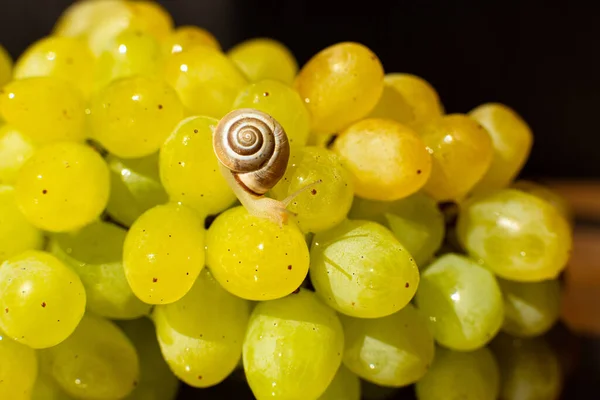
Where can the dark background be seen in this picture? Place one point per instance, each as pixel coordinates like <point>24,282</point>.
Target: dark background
<point>539,58</point>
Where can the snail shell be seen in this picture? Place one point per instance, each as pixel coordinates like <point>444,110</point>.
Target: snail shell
<point>254,147</point>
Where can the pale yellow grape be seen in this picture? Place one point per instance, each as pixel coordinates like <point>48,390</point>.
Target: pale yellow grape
<point>15,149</point>
<point>327,203</point>
<point>392,351</point>
<point>46,388</point>
<point>516,235</point>
<point>547,194</point>
<point>293,347</point>
<point>41,299</point>
<point>462,301</point>
<point>264,58</point>
<point>340,85</point>
<point>18,369</point>
<point>253,257</point>
<point>132,117</point>
<point>47,109</point>
<point>95,253</point>
<point>201,335</point>
<point>457,375</point>
<point>392,105</point>
<point>360,269</point>
<point>345,386</point>
<point>63,187</point>
<point>5,66</point>
<point>186,37</point>
<point>82,16</point>
<point>61,57</point>
<point>416,221</point>
<point>282,103</point>
<point>16,233</point>
<point>134,187</point>
<point>96,362</point>
<point>205,79</point>
<point>164,253</point>
<point>512,140</point>
<point>421,97</point>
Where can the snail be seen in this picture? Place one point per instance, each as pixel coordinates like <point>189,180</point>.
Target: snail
<point>253,152</point>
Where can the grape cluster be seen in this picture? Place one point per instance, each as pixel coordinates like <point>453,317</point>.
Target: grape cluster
<point>127,265</point>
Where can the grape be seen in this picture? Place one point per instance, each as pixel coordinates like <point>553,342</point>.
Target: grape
<point>517,235</point>
<point>529,369</point>
<point>340,85</point>
<point>132,117</point>
<point>392,105</point>
<point>462,301</point>
<point>458,375</point>
<point>189,169</point>
<point>205,79</point>
<point>95,253</point>
<point>47,109</point>
<point>42,300</point>
<point>512,141</point>
<point>16,233</point>
<point>282,103</point>
<point>134,187</point>
<point>46,388</point>
<point>63,187</point>
<point>15,149</point>
<point>164,253</point>
<point>264,58</point>
<point>157,382</point>
<point>18,370</point>
<point>360,269</point>
<point>293,347</point>
<point>5,67</point>
<point>327,204</point>
<point>416,221</point>
<point>96,362</point>
<point>387,160</point>
<point>393,351</point>
<point>530,308</point>
<point>186,37</point>
<point>419,95</point>
<point>201,335</point>
<point>345,386</point>
<point>254,258</point>
<point>461,150</point>
<point>547,194</point>
<point>61,57</point>
<point>82,17</point>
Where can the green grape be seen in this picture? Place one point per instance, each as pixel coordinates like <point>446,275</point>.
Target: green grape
<point>5,67</point>
<point>61,57</point>
<point>205,79</point>
<point>359,268</point>
<point>547,194</point>
<point>462,301</point>
<point>132,117</point>
<point>47,109</point>
<point>46,388</point>
<point>201,335</point>
<point>457,375</point>
<point>516,235</point>
<point>16,233</point>
<point>95,253</point>
<point>293,347</point>
<point>42,300</point>
<point>371,391</point>
<point>96,362</point>
<point>264,58</point>
<point>345,386</point>
<point>189,169</point>
<point>63,187</point>
<point>18,370</point>
<point>134,187</point>
<point>328,203</point>
<point>529,369</point>
<point>15,149</point>
<point>164,253</point>
<point>392,351</point>
<point>157,382</point>
<point>282,103</point>
<point>340,85</point>
<point>416,221</point>
<point>420,96</point>
<point>254,258</point>
<point>186,37</point>
<point>530,308</point>
<point>392,105</point>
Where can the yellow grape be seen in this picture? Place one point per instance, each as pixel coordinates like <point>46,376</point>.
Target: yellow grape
<point>16,233</point>
<point>46,388</point>
<point>63,187</point>
<point>42,300</point>
<point>15,149</point>
<point>264,58</point>
<point>392,105</point>
<point>420,96</point>
<point>18,370</point>
<point>547,194</point>
<point>5,67</point>
<point>387,160</point>
<point>461,151</point>
<point>164,253</point>
<point>47,109</point>
<point>345,386</point>
<point>83,16</point>
<point>205,79</point>
<point>340,85</point>
<point>186,37</point>
<point>254,258</point>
